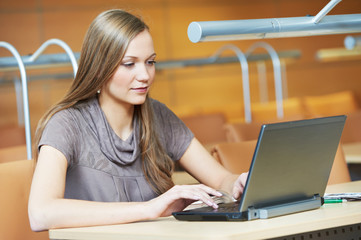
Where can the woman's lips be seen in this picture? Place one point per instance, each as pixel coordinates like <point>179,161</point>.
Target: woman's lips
<point>140,89</point>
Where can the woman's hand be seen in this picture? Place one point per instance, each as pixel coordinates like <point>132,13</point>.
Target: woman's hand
<point>180,196</point>
<point>239,185</point>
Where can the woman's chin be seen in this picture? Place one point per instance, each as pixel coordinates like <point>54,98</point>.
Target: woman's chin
<point>138,101</point>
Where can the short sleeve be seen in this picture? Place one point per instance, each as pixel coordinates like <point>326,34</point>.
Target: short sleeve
<point>173,133</point>
<point>61,132</point>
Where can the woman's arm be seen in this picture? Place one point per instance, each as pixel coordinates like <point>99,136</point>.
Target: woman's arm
<point>48,208</point>
<point>201,165</point>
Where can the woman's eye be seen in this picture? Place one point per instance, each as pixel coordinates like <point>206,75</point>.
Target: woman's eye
<point>128,64</point>
<point>151,62</point>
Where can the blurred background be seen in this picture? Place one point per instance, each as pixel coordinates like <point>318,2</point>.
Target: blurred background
<point>318,78</point>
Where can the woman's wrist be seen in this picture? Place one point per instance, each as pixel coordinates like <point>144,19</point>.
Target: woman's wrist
<point>148,210</point>
<point>228,183</point>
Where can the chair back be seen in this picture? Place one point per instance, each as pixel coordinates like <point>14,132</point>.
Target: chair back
<point>241,131</point>
<point>14,153</point>
<point>352,130</point>
<point>235,156</point>
<point>12,135</point>
<point>339,172</point>
<point>293,109</point>
<point>15,182</point>
<point>331,104</point>
<point>207,128</point>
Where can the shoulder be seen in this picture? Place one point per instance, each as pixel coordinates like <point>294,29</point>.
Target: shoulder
<point>173,133</point>
<point>61,125</point>
<point>63,118</point>
<point>63,131</point>
<point>69,120</point>
<point>72,115</point>
<point>161,110</point>
<point>157,105</point>
<point>166,120</point>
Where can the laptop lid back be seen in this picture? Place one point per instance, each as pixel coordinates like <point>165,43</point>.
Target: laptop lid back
<point>292,161</point>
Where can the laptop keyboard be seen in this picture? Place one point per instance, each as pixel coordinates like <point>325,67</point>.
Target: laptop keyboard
<point>228,207</point>
<point>222,207</point>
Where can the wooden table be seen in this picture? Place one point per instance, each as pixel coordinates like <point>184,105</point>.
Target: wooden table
<point>352,152</point>
<point>329,216</point>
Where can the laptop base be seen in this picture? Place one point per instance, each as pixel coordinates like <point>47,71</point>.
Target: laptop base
<point>283,209</point>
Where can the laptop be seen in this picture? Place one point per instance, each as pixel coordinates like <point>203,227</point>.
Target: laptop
<point>288,174</point>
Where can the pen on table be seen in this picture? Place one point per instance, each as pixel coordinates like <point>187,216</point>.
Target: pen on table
<point>334,200</point>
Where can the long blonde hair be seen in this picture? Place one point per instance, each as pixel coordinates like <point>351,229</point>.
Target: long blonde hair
<point>104,46</point>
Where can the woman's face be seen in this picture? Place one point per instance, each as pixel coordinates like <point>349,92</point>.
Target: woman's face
<point>135,74</point>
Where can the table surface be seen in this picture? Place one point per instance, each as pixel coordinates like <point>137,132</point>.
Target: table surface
<point>352,152</point>
<point>328,216</point>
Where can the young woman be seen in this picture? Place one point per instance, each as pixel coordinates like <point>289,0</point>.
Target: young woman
<point>105,152</point>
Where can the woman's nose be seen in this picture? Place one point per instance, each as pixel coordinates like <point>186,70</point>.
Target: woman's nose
<point>143,73</point>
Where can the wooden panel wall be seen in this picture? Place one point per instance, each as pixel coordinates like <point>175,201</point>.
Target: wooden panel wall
<point>26,24</point>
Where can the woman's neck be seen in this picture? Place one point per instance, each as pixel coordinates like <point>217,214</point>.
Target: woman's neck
<point>119,116</point>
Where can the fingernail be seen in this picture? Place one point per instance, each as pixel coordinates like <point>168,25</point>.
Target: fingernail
<point>212,204</point>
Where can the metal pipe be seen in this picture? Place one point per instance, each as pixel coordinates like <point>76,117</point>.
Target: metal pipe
<point>8,64</point>
<point>325,10</point>
<point>245,76</point>
<point>276,71</point>
<point>168,64</point>
<point>62,59</point>
<point>284,80</point>
<point>19,100</point>
<point>272,28</point>
<point>60,43</point>
<point>25,95</point>
<point>262,81</point>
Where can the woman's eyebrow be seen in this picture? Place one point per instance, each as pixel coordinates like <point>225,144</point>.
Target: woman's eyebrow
<point>152,55</point>
<point>131,56</point>
<point>135,57</point>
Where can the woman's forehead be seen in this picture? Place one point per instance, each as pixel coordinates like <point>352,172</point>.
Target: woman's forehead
<point>141,45</point>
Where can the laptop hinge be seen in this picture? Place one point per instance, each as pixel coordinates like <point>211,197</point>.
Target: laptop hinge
<point>283,209</point>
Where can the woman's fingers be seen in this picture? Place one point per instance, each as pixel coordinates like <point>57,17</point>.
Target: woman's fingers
<point>180,196</point>
<point>196,192</point>
<point>239,185</point>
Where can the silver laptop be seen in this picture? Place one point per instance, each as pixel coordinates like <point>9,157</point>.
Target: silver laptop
<point>289,172</point>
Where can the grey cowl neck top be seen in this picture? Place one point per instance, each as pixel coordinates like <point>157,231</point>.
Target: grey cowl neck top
<point>114,148</point>
<point>102,166</point>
